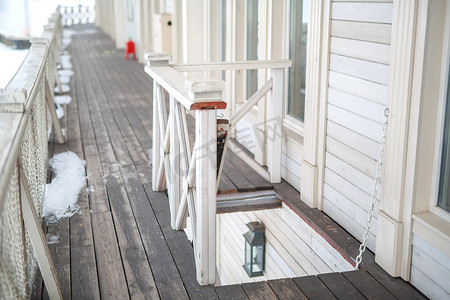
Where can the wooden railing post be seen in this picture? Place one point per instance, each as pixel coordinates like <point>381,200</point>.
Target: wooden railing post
<point>206,176</point>
<point>153,59</point>
<point>274,125</point>
<point>206,165</point>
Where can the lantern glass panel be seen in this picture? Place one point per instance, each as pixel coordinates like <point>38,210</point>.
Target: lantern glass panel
<point>248,257</point>
<point>258,257</point>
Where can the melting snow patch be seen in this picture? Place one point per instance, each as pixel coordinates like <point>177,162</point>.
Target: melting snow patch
<point>64,79</point>
<point>59,111</point>
<point>63,99</point>
<point>65,89</point>
<point>65,61</point>
<point>65,73</point>
<point>52,239</point>
<point>62,193</point>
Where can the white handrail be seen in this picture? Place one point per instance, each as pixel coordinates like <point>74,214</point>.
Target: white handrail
<point>233,65</point>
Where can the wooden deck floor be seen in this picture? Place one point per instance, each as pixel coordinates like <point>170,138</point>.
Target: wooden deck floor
<point>122,246</point>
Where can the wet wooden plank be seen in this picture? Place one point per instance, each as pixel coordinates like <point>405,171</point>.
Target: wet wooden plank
<point>237,177</point>
<point>113,284</point>
<point>367,285</point>
<point>340,286</point>
<point>235,292</point>
<point>60,251</point>
<point>183,255</point>
<point>97,192</point>
<point>226,186</point>
<point>257,180</point>
<point>172,289</point>
<point>395,285</point>
<point>286,289</point>
<point>313,288</point>
<point>259,291</point>
<point>137,269</point>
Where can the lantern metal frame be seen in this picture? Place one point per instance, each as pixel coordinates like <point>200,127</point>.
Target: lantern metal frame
<point>255,242</point>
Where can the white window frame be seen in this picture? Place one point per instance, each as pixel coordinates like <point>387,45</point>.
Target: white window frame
<point>443,90</point>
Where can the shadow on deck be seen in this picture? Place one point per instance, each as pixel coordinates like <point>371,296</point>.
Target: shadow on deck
<point>121,245</point>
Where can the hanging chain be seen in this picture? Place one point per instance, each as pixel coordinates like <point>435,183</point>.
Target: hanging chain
<point>363,245</point>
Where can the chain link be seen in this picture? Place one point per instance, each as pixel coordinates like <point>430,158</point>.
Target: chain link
<point>363,245</point>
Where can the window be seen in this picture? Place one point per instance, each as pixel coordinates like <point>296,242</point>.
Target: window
<point>299,19</point>
<point>252,45</point>
<point>444,181</point>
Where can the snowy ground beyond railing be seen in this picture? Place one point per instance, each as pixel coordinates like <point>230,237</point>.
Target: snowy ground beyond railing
<point>27,112</point>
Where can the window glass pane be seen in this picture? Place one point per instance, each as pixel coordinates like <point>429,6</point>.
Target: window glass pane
<point>299,20</point>
<point>444,184</point>
<point>252,45</point>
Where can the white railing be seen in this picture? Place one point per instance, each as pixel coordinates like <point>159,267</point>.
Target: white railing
<point>81,14</point>
<point>192,179</point>
<point>27,111</point>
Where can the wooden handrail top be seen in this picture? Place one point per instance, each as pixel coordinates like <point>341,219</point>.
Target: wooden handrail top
<point>233,65</point>
<point>177,85</point>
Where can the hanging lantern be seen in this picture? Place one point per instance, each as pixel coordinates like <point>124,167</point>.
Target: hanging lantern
<point>254,249</point>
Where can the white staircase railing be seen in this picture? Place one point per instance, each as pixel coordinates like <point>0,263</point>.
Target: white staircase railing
<point>192,179</point>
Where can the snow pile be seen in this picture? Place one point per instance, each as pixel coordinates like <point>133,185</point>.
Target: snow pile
<point>63,99</point>
<point>52,239</point>
<point>67,37</point>
<point>10,61</point>
<point>59,101</point>
<point>65,61</point>
<point>65,89</point>
<point>62,193</point>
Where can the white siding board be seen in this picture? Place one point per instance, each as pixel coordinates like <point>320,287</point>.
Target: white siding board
<point>332,260</point>
<point>370,32</point>
<point>433,252</point>
<point>359,87</point>
<point>354,158</point>
<point>292,152</point>
<point>349,173</point>
<point>361,125</point>
<point>293,166</point>
<point>369,51</point>
<point>283,268</point>
<point>363,11</point>
<point>353,139</point>
<point>310,261</point>
<point>291,178</point>
<point>290,217</point>
<point>357,105</point>
<point>350,191</point>
<point>426,285</point>
<point>364,69</point>
<point>431,268</point>
<point>351,225</point>
<point>361,217</point>
<point>339,200</point>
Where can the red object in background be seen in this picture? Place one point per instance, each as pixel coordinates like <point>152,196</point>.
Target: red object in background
<point>129,49</point>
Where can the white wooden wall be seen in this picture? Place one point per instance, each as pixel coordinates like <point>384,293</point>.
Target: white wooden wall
<point>292,247</point>
<point>357,97</point>
<point>430,270</point>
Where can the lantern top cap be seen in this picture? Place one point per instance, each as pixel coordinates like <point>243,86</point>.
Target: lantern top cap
<point>256,226</point>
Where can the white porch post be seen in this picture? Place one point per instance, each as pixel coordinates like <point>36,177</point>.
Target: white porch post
<point>206,165</point>
<point>390,218</point>
<point>274,125</point>
<point>315,104</point>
